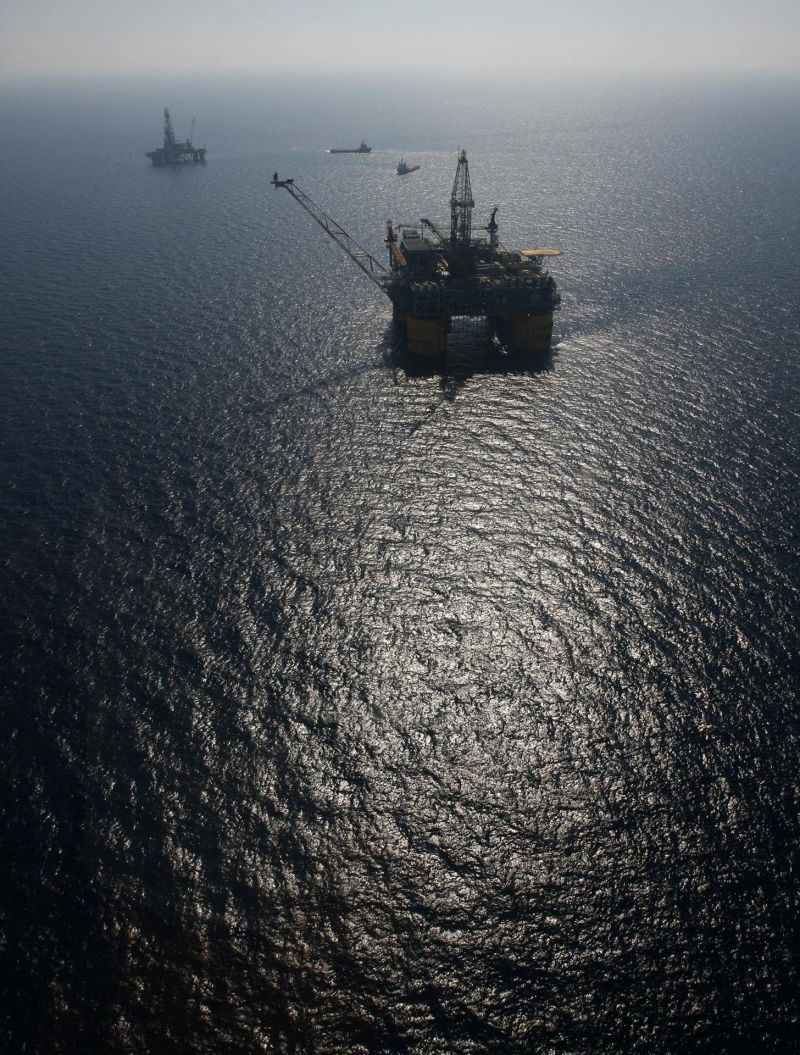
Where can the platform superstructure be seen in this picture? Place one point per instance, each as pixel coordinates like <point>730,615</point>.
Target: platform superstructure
<point>434,276</point>
<point>173,152</point>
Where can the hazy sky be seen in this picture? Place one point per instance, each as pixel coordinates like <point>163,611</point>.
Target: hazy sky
<point>532,36</point>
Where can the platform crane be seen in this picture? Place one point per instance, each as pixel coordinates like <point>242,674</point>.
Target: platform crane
<point>372,268</point>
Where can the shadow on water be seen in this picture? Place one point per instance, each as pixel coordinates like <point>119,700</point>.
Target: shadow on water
<point>472,349</point>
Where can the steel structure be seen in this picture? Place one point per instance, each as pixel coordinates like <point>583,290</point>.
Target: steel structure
<point>371,267</point>
<point>461,204</point>
<point>173,152</point>
<point>432,279</point>
<point>169,133</point>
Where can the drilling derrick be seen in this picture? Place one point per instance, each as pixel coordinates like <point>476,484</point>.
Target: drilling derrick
<point>169,134</point>
<point>432,279</point>
<point>461,204</point>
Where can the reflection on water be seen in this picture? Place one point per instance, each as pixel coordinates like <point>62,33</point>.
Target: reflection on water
<point>361,706</point>
<point>472,349</point>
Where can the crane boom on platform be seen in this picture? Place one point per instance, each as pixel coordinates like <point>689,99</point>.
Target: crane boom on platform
<point>432,226</point>
<point>371,267</point>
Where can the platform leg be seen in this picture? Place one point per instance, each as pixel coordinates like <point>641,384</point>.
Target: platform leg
<point>427,338</point>
<point>531,333</point>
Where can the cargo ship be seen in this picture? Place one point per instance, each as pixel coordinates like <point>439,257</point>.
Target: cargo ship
<point>362,149</point>
<point>403,169</point>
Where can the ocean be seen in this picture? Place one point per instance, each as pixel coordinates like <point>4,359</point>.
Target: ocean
<point>352,706</point>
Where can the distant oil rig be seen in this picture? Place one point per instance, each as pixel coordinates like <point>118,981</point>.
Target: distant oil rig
<point>432,278</point>
<point>174,153</point>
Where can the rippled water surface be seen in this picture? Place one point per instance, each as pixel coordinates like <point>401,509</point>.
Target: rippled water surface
<point>357,708</point>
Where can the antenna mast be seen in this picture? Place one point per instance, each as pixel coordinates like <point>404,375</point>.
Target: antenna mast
<point>461,204</point>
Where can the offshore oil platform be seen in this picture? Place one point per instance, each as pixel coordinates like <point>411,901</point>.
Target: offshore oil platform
<point>174,153</point>
<point>432,278</point>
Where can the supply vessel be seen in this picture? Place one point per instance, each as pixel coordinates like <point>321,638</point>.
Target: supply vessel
<point>403,169</point>
<point>362,149</point>
<point>173,152</point>
<point>434,276</point>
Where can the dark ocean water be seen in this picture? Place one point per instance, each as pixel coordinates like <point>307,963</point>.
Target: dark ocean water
<point>354,708</point>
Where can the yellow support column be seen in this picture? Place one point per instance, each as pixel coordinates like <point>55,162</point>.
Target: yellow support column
<point>531,333</point>
<point>427,338</point>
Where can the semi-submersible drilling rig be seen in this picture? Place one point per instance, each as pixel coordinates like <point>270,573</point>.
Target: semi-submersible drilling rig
<point>173,152</point>
<point>432,279</point>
